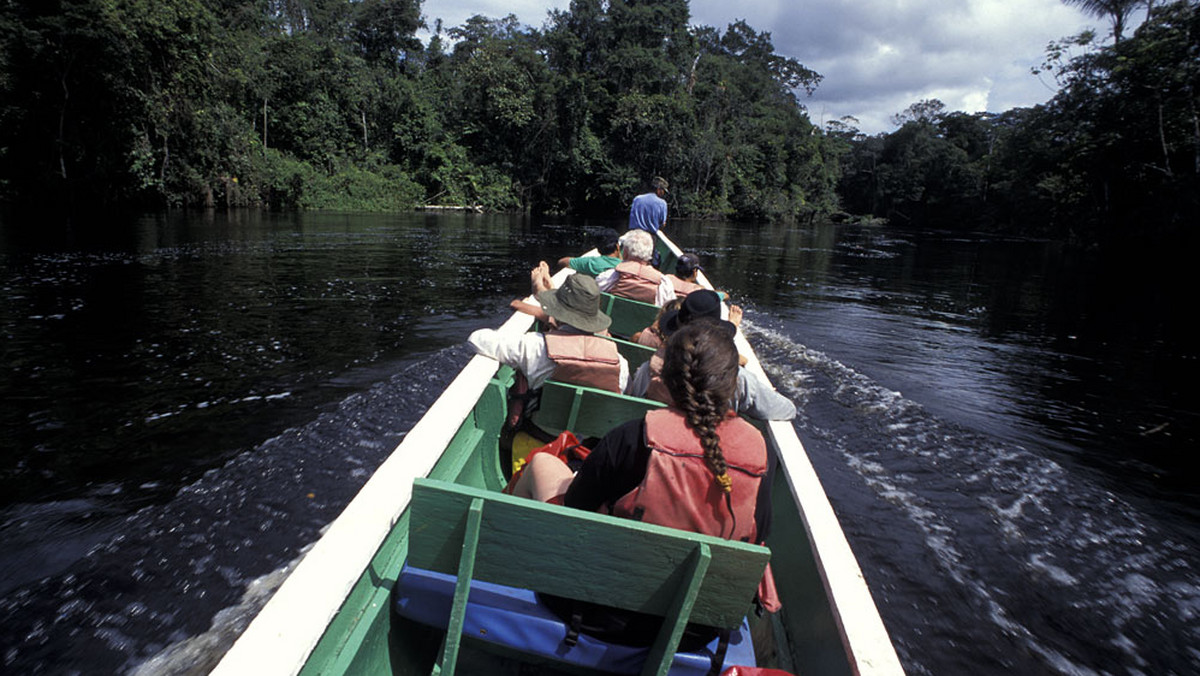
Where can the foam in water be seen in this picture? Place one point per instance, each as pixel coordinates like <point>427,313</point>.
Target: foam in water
<point>1023,537</point>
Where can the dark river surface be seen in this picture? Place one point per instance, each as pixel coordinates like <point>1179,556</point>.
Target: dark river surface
<point>1005,428</point>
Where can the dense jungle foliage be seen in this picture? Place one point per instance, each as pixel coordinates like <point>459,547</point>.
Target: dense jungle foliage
<point>335,104</point>
<point>1115,152</point>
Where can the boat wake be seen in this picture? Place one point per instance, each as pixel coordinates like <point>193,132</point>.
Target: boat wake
<point>1038,549</point>
<point>176,585</point>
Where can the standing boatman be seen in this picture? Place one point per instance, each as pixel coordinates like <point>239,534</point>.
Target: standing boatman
<point>649,210</point>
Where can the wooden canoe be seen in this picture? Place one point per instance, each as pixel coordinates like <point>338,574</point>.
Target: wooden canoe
<point>332,615</point>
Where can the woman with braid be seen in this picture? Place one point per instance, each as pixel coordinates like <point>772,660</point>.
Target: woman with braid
<point>694,466</point>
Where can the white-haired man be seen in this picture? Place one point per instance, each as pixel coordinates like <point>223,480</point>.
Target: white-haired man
<point>635,277</point>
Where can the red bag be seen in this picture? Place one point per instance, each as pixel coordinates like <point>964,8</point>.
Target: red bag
<point>565,447</point>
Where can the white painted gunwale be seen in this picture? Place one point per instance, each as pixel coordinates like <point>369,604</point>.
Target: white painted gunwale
<point>868,646</point>
<point>283,634</point>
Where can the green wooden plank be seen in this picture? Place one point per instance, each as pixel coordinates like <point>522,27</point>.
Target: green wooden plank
<point>582,555</point>
<point>573,416</point>
<point>658,661</point>
<point>466,570</point>
<point>629,316</point>
<point>599,411</point>
<point>635,353</point>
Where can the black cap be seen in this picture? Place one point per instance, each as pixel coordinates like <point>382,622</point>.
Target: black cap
<point>687,264</point>
<point>702,304</point>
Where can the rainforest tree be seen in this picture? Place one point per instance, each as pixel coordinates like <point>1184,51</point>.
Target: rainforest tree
<point>336,104</point>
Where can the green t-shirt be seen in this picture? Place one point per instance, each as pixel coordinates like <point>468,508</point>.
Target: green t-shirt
<point>593,265</point>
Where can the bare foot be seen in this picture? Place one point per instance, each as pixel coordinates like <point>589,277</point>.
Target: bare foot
<point>735,315</point>
<point>540,277</point>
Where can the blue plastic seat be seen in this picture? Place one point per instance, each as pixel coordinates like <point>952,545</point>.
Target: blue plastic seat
<point>514,617</point>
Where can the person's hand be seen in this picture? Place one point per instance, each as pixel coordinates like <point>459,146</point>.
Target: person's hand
<point>735,315</point>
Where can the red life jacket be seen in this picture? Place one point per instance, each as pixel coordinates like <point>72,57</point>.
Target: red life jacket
<point>683,287</point>
<point>679,489</point>
<point>657,389</point>
<point>582,359</point>
<point>635,280</point>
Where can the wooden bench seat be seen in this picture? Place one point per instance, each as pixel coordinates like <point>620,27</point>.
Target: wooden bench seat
<point>587,411</point>
<point>628,316</point>
<point>496,539</point>
<point>635,353</point>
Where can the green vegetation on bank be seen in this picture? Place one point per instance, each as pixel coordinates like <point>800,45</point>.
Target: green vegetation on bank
<point>1115,154</point>
<point>334,104</point>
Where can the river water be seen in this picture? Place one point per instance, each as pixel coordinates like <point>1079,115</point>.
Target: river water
<point>1004,427</point>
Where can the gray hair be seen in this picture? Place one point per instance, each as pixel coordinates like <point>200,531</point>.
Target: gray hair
<point>637,245</point>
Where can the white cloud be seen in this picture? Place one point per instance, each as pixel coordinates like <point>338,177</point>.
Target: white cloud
<point>877,56</point>
<point>880,56</point>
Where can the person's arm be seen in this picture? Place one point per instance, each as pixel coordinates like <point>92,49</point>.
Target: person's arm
<point>535,311</point>
<point>615,467</point>
<point>665,293</point>
<point>640,382</point>
<point>564,262</point>
<point>606,279</point>
<point>525,352</point>
<point>623,379</point>
<point>757,399</point>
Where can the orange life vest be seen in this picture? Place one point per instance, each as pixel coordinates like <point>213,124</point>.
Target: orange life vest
<point>635,280</point>
<point>582,359</point>
<point>679,489</point>
<point>683,287</point>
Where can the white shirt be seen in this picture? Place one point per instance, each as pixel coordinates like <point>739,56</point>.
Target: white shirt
<point>527,353</point>
<point>665,293</point>
<point>754,397</point>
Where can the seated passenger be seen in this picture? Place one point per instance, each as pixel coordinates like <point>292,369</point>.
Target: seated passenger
<point>571,351</point>
<point>652,336</point>
<point>607,245</point>
<point>684,279</point>
<point>634,277</point>
<point>753,396</point>
<point>671,467</point>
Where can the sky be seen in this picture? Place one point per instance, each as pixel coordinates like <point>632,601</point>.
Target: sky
<point>877,56</point>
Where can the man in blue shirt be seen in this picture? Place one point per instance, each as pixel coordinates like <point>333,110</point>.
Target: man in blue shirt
<point>649,210</point>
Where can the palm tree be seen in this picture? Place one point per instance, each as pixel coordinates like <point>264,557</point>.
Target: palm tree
<point>1117,11</point>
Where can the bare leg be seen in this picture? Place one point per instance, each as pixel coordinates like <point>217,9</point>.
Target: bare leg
<point>544,477</point>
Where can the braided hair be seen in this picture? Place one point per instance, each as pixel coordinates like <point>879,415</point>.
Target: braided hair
<point>700,371</point>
